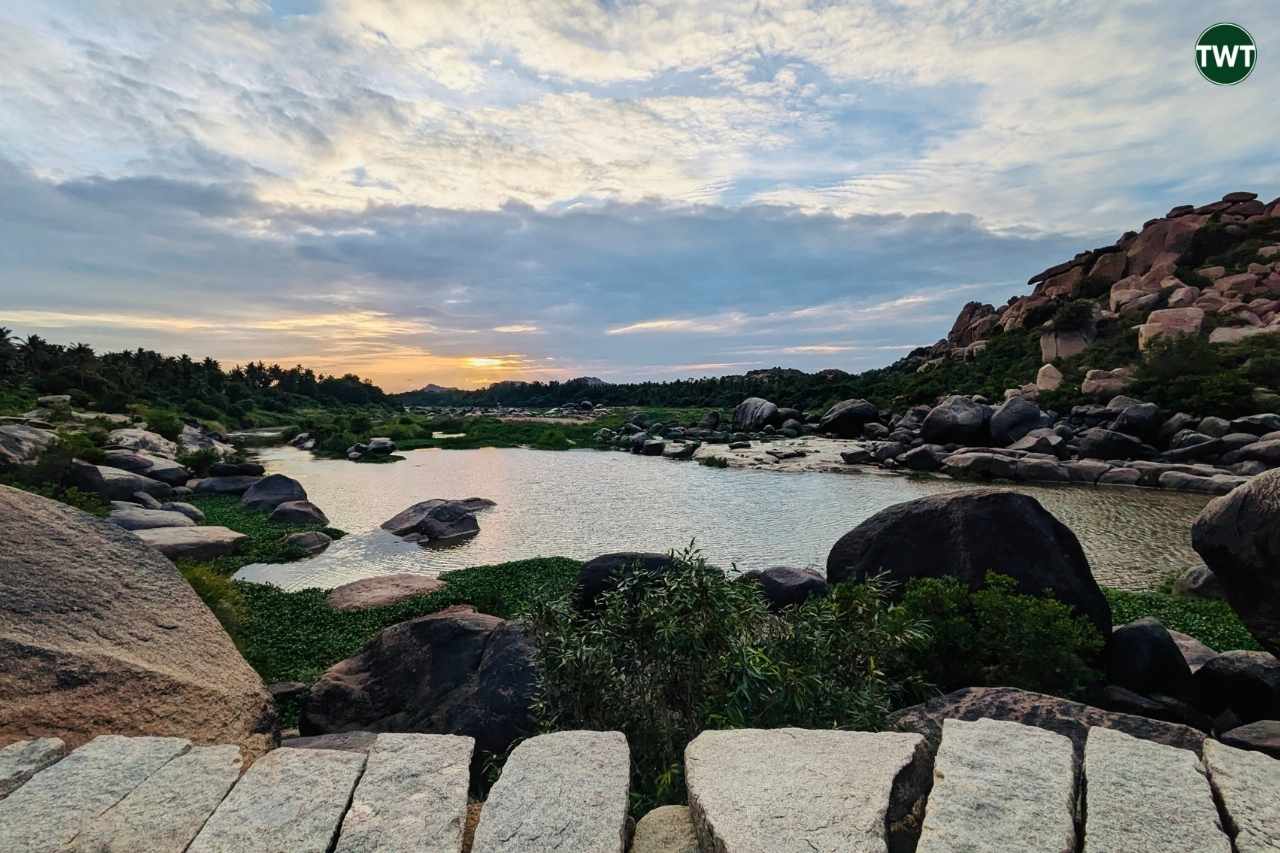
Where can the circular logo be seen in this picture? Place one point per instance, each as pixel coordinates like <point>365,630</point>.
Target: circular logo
<point>1226,54</point>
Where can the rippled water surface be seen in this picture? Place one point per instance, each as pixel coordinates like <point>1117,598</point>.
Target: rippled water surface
<point>584,502</point>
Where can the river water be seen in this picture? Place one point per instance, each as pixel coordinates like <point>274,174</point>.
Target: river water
<point>581,503</point>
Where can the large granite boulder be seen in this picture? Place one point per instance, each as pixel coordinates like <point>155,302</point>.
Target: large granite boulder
<point>1071,719</point>
<point>271,491</point>
<point>147,464</point>
<point>382,590</point>
<point>784,586</point>
<point>204,542</point>
<point>1245,683</point>
<point>113,483</point>
<point>452,672</point>
<point>436,520</point>
<point>236,485</point>
<point>1238,536</point>
<point>606,571</point>
<point>145,519</point>
<point>753,414</point>
<point>1013,419</point>
<point>966,535</point>
<point>1142,656</point>
<point>847,418</point>
<point>131,438</point>
<point>956,420</point>
<point>22,444</point>
<point>99,633</point>
<point>1099,443</point>
<point>298,512</point>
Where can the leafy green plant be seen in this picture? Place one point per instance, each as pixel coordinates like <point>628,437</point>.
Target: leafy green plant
<point>1209,620</point>
<point>220,594</point>
<point>1073,316</point>
<point>266,537</point>
<point>996,636</point>
<point>663,658</point>
<point>714,462</point>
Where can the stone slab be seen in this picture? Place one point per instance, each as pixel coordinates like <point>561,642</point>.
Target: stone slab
<point>192,543</point>
<point>59,802</point>
<point>800,791</point>
<point>166,811</point>
<point>382,590</point>
<point>1248,785</point>
<point>22,760</point>
<point>1144,796</point>
<point>1000,786</point>
<point>564,792</point>
<point>412,797</point>
<point>666,829</point>
<point>290,800</point>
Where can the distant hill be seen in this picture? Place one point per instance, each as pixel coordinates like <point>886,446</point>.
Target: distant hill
<point>432,388</point>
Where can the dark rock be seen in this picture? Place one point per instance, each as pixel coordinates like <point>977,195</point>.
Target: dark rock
<point>1099,443</point>
<point>236,469</point>
<point>1141,420</point>
<point>1199,581</point>
<point>857,456</point>
<point>1238,537</point>
<point>1175,424</point>
<point>926,457</point>
<point>285,691</point>
<point>1194,652</point>
<point>452,672</point>
<point>710,420</point>
<point>1257,424</point>
<point>1214,426</point>
<point>311,542</point>
<point>966,535</point>
<point>1014,419</point>
<point>956,420</point>
<point>1262,736</point>
<point>784,586</point>
<point>1070,719</point>
<point>435,520</point>
<point>271,491</point>
<point>298,512</point>
<point>225,485</point>
<point>754,414</point>
<point>113,483</point>
<point>847,418</point>
<point>1141,656</point>
<point>605,572</point>
<point>981,465</point>
<point>1044,441</point>
<point>1246,683</point>
<point>653,447</point>
<point>875,429</point>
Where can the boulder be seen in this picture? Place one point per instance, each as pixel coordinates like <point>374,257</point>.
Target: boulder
<point>1169,322</point>
<point>1142,656</point>
<point>435,520</point>
<point>149,465</point>
<point>1199,581</point>
<point>452,672</point>
<point>1238,537</point>
<point>981,465</point>
<point>710,420</point>
<point>1071,719</point>
<point>1262,736</point>
<point>784,586</point>
<point>966,535</point>
<point>847,418</point>
<point>22,444</point>
<point>1063,344</point>
<point>192,543</point>
<point>1243,682</point>
<point>382,590</point>
<point>1106,383</point>
<point>145,519</point>
<point>666,829</point>
<point>312,542</point>
<point>1013,419</point>
<point>956,420</point>
<point>1099,443</point>
<point>236,469</point>
<point>298,512</point>
<point>225,485</point>
<point>605,572</point>
<point>112,483</point>
<point>1194,652</point>
<point>1048,378</point>
<point>753,413</point>
<point>926,457</point>
<point>130,438</point>
<point>101,634</point>
<point>271,491</point>
<point>853,456</point>
<point>1141,420</point>
<point>1257,424</point>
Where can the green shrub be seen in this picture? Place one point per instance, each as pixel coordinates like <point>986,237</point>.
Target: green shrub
<point>1073,316</point>
<point>995,636</point>
<point>199,461</point>
<point>714,462</point>
<point>661,659</point>
<point>165,422</point>
<point>220,594</point>
<point>1264,369</point>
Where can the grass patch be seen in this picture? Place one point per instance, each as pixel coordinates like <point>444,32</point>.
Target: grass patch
<point>1209,620</point>
<point>266,537</point>
<point>714,462</point>
<point>296,636</point>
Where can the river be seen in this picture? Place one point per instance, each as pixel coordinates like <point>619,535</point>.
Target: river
<point>582,503</point>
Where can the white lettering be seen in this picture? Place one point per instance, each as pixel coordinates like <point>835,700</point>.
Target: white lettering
<point>1247,50</point>
<point>1225,55</point>
<point>1202,50</point>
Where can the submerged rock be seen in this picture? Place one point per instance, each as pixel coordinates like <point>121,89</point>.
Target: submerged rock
<point>436,520</point>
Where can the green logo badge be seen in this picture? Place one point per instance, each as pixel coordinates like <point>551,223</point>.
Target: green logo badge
<point>1226,54</point>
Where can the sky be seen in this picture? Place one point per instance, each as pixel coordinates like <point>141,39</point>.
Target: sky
<point>463,192</point>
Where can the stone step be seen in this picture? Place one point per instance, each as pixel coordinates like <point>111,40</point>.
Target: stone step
<point>51,810</point>
<point>1248,786</point>
<point>1144,796</point>
<point>290,800</point>
<point>24,759</point>
<point>803,791</point>
<point>1000,786</point>
<point>412,797</point>
<point>166,811</point>
<point>559,793</point>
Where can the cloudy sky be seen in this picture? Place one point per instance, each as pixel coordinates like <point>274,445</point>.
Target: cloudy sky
<point>458,192</point>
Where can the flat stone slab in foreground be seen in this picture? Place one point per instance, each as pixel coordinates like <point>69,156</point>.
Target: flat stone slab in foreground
<point>290,800</point>
<point>48,812</point>
<point>22,760</point>
<point>559,793</point>
<point>1144,796</point>
<point>1000,786</point>
<point>1248,784</point>
<point>166,811</point>
<point>800,791</point>
<point>192,543</point>
<point>412,797</point>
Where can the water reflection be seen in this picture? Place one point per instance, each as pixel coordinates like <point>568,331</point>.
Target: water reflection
<point>583,503</point>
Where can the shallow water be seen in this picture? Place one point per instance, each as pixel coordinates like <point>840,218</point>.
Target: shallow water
<point>582,503</point>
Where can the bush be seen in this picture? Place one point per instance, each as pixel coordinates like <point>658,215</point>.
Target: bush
<point>995,636</point>
<point>220,594</point>
<point>714,462</point>
<point>1073,316</point>
<point>199,461</point>
<point>164,422</point>
<point>661,659</point>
